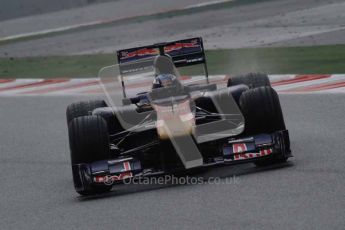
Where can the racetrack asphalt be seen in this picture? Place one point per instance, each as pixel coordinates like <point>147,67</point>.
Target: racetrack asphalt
<point>306,193</point>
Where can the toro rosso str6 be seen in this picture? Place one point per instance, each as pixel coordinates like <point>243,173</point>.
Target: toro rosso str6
<point>155,121</point>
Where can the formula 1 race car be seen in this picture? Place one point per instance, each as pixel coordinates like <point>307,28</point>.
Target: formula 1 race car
<point>165,123</point>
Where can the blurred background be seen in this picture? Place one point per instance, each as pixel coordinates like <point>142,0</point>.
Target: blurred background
<point>20,8</point>
<point>75,38</point>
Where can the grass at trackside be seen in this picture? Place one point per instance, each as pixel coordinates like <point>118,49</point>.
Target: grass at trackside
<point>302,60</point>
<point>284,60</point>
<point>54,66</point>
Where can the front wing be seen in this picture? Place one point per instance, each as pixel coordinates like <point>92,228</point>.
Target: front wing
<point>234,151</point>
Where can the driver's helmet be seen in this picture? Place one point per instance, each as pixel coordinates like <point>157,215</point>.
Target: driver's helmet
<point>164,80</point>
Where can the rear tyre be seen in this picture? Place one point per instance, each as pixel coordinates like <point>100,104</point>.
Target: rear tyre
<point>83,108</point>
<point>89,142</point>
<point>114,125</point>
<point>252,80</point>
<point>263,114</point>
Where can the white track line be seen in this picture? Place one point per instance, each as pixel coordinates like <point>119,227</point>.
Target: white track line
<point>210,3</point>
<point>49,31</point>
<point>100,22</point>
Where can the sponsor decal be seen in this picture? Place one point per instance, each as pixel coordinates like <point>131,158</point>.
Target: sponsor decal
<point>239,148</point>
<point>145,52</point>
<point>125,174</point>
<point>180,45</point>
<point>245,156</point>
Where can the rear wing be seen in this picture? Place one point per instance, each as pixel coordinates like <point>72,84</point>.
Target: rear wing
<point>183,52</point>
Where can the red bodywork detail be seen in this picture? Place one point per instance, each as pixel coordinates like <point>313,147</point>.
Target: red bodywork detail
<point>139,53</point>
<point>178,46</point>
<point>245,156</point>
<point>239,148</point>
<point>110,179</point>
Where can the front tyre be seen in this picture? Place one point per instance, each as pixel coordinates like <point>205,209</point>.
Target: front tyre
<point>262,111</point>
<point>89,142</point>
<point>263,114</point>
